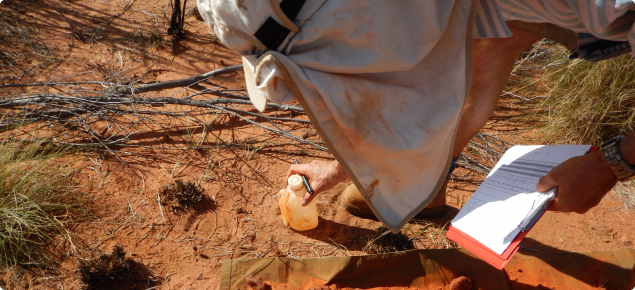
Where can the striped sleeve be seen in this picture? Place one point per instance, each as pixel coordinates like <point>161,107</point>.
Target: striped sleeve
<point>489,22</point>
<point>608,19</point>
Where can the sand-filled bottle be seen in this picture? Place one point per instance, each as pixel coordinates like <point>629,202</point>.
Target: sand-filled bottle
<point>294,215</point>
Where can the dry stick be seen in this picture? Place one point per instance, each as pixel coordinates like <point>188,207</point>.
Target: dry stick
<point>612,210</point>
<point>164,237</point>
<point>228,145</point>
<point>215,220</point>
<point>52,83</point>
<point>91,104</point>
<point>35,117</point>
<point>280,107</point>
<point>91,101</point>
<point>486,151</point>
<point>340,246</point>
<point>471,161</point>
<point>68,234</point>
<point>180,82</point>
<point>487,143</point>
<point>160,207</point>
<point>498,139</point>
<point>98,102</point>
<point>147,234</point>
<point>237,223</point>
<point>126,138</point>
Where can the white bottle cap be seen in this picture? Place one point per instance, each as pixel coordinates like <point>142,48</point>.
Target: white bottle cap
<point>295,182</point>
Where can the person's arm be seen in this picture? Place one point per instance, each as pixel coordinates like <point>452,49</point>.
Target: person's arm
<point>583,181</point>
<point>322,175</point>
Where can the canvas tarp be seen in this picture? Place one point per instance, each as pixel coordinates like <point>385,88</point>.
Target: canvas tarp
<point>433,269</point>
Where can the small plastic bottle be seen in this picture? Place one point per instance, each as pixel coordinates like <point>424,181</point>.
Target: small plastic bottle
<point>294,215</point>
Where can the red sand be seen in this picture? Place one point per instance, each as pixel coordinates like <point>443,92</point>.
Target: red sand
<point>186,252</point>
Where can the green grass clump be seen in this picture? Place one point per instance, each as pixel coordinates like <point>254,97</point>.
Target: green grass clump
<point>589,103</point>
<point>37,202</point>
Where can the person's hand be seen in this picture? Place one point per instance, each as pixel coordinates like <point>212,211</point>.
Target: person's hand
<point>582,182</point>
<point>322,175</point>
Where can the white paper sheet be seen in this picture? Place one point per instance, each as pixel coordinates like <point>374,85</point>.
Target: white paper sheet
<point>496,210</point>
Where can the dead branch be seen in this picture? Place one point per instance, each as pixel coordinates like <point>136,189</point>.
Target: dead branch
<point>48,99</point>
<point>128,113</point>
<point>80,108</point>
<point>102,116</point>
<point>178,83</point>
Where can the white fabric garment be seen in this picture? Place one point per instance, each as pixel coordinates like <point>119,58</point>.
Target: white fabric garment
<point>382,81</point>
<point>606,19</point>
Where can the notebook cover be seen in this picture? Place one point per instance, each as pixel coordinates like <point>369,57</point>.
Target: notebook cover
<point>496,260</point>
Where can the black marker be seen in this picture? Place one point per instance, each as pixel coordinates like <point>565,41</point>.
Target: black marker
<point>306,182</point>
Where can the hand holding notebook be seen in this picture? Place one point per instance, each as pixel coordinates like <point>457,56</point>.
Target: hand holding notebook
<point>506,205</point>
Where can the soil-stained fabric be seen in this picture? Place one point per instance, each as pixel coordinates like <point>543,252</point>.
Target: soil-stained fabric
<point>434,269</point>
<point>383,84</point>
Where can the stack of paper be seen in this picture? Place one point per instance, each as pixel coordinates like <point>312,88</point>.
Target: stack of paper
<point>507,202</point>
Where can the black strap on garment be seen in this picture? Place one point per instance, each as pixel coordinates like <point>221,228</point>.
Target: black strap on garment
<point>271,33</point>
<point>594,49</point>
<point>291,8</point>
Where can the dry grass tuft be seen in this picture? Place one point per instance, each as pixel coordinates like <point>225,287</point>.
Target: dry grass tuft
<point>387,242</point>
<point>434,235</point>
<point>37,204</point>
<point>182,196</point>
<point>626,192</point>
<point>589,103</point>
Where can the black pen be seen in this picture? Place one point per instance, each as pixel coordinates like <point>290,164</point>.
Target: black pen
<point>306,182</point>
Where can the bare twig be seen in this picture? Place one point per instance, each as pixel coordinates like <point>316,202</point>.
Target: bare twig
<point>180,82</point>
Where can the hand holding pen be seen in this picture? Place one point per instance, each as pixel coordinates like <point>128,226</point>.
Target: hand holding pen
<point>320,176</point>
<point>307,186</point>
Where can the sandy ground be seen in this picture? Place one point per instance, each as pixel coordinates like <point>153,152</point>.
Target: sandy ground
<point>241,219</point>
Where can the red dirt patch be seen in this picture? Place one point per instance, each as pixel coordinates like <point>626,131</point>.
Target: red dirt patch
<point>185,251</point>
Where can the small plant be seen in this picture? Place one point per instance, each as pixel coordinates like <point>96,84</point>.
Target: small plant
<point>106,269</point>
<point>156,39</point>
<point>181,196</point>
<point>387,242</point>
<point>114,271</point>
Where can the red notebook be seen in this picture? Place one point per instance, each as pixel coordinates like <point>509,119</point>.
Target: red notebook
<point>496,260</point>
<point>485,253</point>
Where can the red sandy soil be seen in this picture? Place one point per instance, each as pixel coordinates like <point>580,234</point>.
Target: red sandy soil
<point>186,251</point>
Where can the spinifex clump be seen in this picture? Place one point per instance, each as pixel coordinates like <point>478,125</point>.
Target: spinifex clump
<point>37,202</point>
